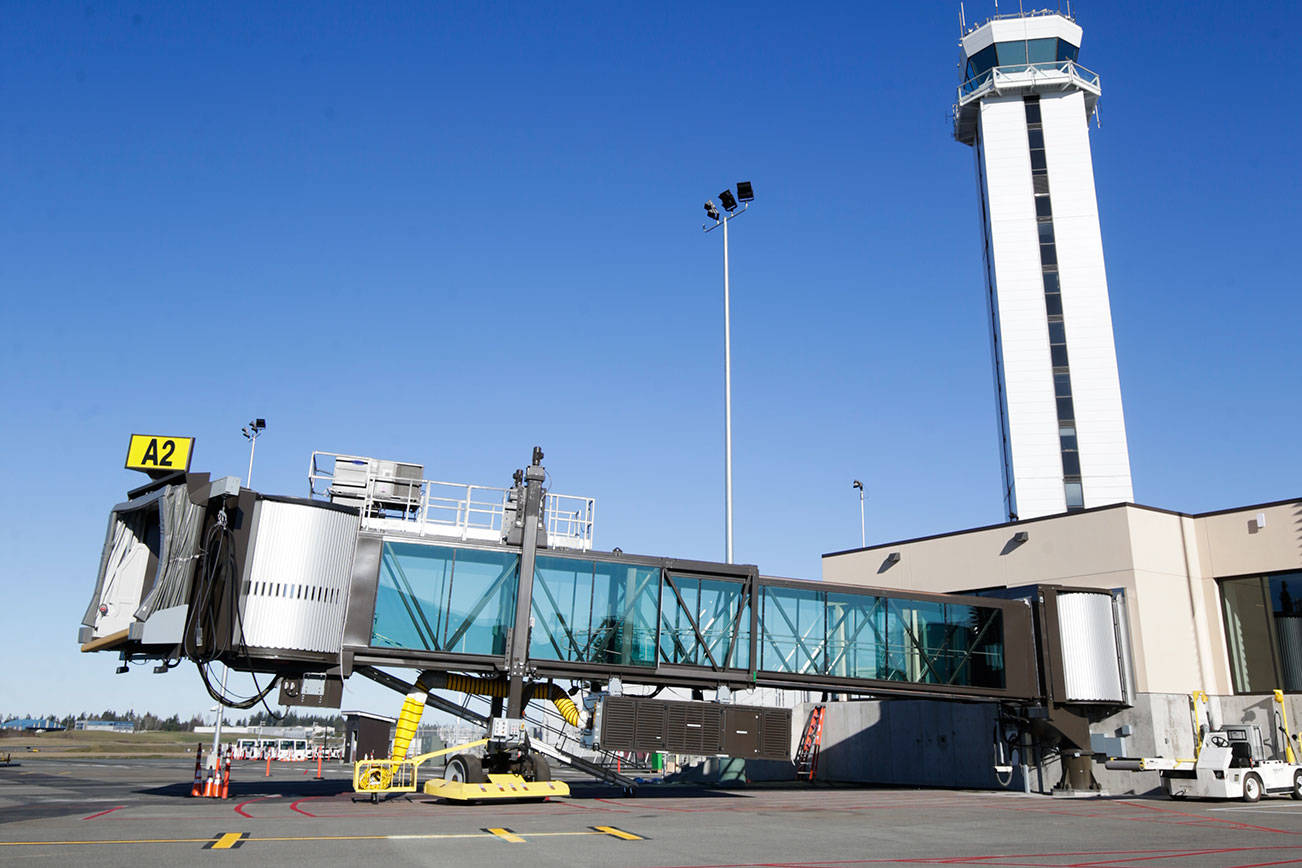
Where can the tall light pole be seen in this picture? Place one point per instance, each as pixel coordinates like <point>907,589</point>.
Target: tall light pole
<point>745,194</point>
<point>251,432</point>
<point>863,528</point>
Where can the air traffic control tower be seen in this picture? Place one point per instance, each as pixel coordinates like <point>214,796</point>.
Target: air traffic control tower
<point>1024,106</point>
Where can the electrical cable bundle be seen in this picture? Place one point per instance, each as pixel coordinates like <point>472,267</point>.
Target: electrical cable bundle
<point>216,577</point>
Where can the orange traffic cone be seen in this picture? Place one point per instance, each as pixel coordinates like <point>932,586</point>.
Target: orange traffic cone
<point>225,788</point>
<point>197,788</point>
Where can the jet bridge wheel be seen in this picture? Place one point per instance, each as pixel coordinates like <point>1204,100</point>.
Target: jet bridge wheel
<point>536,768</point>
<point>465,769</point>
<point>1297,785</point>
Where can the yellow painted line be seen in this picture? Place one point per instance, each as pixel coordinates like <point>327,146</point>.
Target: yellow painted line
<point>506,835</point>
<point>428,837</point>
<point>227,841</point>
<point>617,833</point>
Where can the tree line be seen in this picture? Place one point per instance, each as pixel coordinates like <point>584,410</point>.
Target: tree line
<point>149,722</point>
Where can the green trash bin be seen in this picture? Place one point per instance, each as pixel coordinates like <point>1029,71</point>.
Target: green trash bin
<point>658,761</point>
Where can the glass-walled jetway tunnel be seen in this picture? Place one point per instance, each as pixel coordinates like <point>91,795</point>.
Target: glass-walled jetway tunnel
<point>670,622</point>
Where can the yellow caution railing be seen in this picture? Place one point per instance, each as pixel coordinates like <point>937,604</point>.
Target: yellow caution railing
<point>397,776</point>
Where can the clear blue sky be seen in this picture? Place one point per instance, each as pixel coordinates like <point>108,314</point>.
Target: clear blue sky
<point>448,232</point>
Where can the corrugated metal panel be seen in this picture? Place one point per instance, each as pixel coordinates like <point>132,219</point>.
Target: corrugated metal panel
<point>297,584</point>
<point>1089,647</point>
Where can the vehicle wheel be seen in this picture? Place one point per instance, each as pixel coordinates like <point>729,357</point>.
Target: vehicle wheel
<point>1297,785</point>
<point>464,769</point>
<point>536,768</point>
<point>1251,788</point>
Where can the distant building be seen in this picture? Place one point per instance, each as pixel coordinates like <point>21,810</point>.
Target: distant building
<point>105,725</point>
<point>31,724</point>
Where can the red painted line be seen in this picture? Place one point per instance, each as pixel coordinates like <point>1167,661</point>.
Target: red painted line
<point>239,809</point>
<point>102,813</point>
<point>1263,864</point>
<point>1231,823</point>
<point>294,806</point>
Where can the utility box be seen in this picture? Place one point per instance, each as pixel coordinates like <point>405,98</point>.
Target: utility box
<point>695,728</point>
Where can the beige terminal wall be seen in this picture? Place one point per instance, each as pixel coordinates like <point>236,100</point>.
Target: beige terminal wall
<point>1166,562</point>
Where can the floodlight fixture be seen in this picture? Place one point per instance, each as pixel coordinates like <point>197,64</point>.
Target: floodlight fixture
<point>711,211</point>
<point>728,201</point>
<point>745,192</point>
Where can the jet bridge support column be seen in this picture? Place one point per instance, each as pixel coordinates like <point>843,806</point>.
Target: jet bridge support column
<point>527,525</point>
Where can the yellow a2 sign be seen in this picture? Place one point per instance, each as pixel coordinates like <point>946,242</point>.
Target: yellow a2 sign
<point>153,453</point>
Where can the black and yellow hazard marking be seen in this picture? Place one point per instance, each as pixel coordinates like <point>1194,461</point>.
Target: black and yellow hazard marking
<point>234,840</point>
<point>505,834</point>
<point>616,832</point>
<point>227,841</point>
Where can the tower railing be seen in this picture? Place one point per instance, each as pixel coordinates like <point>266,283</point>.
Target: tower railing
<point>1022,75</point>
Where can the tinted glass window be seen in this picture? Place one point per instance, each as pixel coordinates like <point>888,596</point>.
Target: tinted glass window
<point>1071,463</point>
<point>1042,207</point>
<point>1053,304</point>
<point>1065,412</point>
<point>1075,495</point>
<point>1011,53</point>
<point>1067,436</point>
<point>1038,162</point>
<point>1058,355</point>
<point>981,61</point>
<point>1062,385</point>
<point>1057,333</point>
<point>1048,254</point>
<point>1032,111</point>
<point>1051,281</point>
<point>1035,137</point>
<point>1067,51</point>
<point>1041,50</point>
<point>1046,231</point>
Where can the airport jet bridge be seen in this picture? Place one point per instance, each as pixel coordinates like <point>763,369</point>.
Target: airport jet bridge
<point>500,593</point>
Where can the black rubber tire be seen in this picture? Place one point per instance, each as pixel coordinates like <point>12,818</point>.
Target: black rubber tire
<point>1251,788</point>
<point>465,769</point>
<point>536,768</point>
<point>1297,785</point>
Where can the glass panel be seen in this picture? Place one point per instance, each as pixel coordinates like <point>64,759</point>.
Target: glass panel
<point>1053,304</point>
<point>1036,138</point>
<point>1286,604</point>
<point>1041,50</point>
<point>1075,495</point>
<point>1033,110</point>
<point>856,630</point>
<point>1046,231</point>
<point>714,606</point>
<point>1071,463</point>
<point>1058,355</point>
<point>1062,384</point>
<point>1042,207</point>
<point>1011,53</point>
<point>1065,411</point>
<point>1048,254</point>
<point>940,643</point>
<point>981,61</point>
<point>1248,635</point>
<point>625,601</point>
<point>1057,333</point>
<point>1067,437</point>
<point>562,609</point>
<point>1051,282</point>
<point>1067,51</point>
<point>437,598</point>
<point>1038,163</point>
<point>794,624</point>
